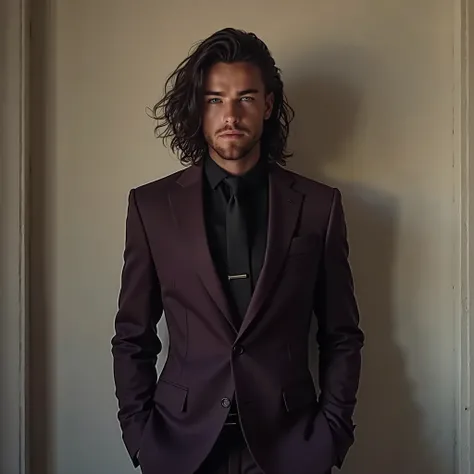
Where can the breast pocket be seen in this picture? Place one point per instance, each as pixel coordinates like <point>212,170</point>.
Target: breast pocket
<point>304,244</point>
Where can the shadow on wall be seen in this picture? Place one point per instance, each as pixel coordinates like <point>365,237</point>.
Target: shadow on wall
<point>388,433</point>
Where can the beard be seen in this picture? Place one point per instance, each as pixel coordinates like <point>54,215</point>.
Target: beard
<point>233,151</point>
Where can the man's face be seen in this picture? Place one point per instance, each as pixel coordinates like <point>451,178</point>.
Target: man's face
<point>235,107</point>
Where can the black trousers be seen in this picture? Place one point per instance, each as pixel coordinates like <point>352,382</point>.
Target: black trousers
<point>230,455</point>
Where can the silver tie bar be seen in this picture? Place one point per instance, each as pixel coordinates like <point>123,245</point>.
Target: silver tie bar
<point>241,276</point>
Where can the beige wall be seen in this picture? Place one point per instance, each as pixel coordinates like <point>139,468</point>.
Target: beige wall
<point>374,86</point>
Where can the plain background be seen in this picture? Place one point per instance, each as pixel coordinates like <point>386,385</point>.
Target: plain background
<point>374,88</point>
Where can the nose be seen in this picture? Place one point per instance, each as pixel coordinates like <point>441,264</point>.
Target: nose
<point>231,113</point>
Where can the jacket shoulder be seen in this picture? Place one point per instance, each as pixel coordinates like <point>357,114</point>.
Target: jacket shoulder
<point>310,186</point>
<point>157,187</point>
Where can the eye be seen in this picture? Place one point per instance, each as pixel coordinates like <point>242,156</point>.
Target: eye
<point>247,99</point>
<point>214,100</point>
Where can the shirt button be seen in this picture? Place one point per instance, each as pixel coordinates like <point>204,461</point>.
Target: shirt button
<point>225,402</point>
<point>239,350</point>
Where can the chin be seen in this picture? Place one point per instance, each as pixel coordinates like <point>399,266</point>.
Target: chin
<point>232,155</point>
<point>235,152</point>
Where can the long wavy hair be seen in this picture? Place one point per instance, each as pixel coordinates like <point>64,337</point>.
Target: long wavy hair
<point>179,113</point>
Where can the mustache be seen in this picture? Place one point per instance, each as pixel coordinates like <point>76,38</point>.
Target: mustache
<point>232,129</point>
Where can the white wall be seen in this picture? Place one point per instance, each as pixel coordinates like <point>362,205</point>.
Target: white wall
<point>374,88</point>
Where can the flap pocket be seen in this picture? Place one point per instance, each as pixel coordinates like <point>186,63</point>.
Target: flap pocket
<point>171,395</point>
<point>299,395</point>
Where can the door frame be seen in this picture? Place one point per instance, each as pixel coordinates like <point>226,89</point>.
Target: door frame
<point>463,253</point>
<point>14,85</point>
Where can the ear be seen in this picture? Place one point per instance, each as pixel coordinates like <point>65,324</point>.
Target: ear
<point>269,101</point>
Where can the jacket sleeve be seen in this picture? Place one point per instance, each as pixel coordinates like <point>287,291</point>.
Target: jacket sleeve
<point>339,337</point>
<point>135,344</point>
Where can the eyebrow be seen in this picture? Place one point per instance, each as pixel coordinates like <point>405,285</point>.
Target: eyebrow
<point>221,94</point>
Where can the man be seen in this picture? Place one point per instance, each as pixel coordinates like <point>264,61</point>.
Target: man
<point>239,253</point>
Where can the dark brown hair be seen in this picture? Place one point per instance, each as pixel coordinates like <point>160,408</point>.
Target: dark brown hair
<point>179,112</point>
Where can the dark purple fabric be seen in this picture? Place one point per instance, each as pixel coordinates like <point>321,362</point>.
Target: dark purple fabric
<point>174,422</point>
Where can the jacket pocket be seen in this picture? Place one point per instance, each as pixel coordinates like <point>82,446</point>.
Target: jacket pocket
<point>299,395</point>
<point>171,396</point>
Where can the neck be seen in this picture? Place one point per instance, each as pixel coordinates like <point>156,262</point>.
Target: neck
<point>237,167</point>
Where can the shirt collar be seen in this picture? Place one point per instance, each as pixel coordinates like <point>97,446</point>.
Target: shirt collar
<point>255,177</point>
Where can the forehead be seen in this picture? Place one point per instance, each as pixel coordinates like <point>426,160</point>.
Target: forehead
<point>240,76</point>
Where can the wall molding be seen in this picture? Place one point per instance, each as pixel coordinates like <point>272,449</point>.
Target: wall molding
<point>14,233</point>
<point>463,261</point>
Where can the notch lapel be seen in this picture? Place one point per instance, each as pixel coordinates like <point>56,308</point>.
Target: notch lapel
<point>284,208</point>
<point>188,208</point>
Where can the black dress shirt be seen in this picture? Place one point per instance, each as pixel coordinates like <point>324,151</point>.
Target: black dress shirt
<point>255,202</point>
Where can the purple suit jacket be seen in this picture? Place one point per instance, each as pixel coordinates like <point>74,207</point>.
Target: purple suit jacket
<point>174,421</point>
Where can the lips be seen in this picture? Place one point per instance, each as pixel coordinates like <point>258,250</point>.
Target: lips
<point>231,135</point>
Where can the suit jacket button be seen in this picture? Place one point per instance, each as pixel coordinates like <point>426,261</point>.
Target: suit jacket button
<point>239,350</point>
<point>225,402</point>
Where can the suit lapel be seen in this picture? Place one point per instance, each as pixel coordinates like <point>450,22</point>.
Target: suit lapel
<point>188,209</point>
<point>284,208</point>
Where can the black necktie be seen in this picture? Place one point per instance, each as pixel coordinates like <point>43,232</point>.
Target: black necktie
<point>238,255</point>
